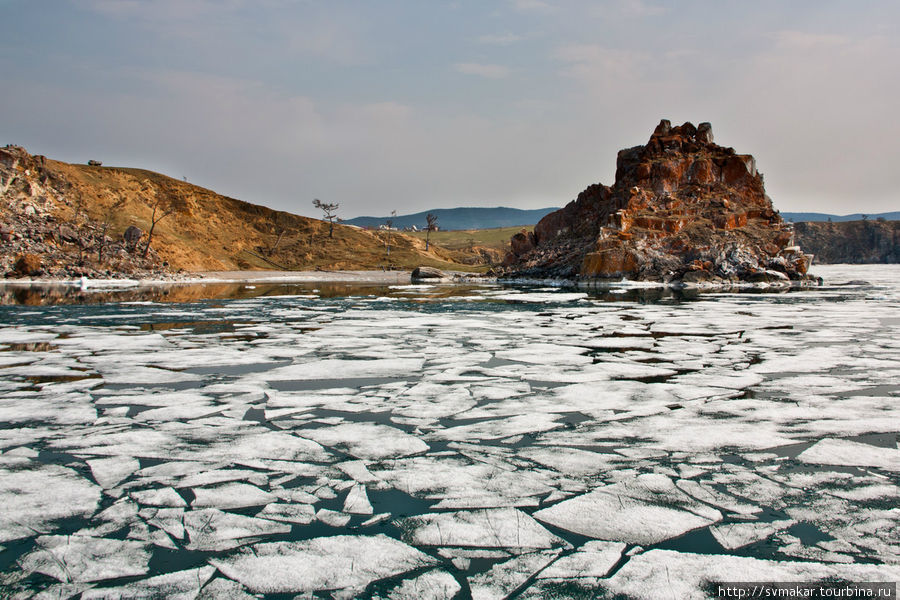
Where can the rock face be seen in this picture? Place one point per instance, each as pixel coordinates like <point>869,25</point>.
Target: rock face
<point>45,231</point>
<point>681,209</point>
<point>851,242</point>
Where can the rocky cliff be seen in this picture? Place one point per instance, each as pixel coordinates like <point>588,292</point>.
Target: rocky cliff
<point>65,220</point>
<point>851,242</point>
<point>682,208</point>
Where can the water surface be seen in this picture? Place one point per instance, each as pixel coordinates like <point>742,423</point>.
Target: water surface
<point>370,440</point>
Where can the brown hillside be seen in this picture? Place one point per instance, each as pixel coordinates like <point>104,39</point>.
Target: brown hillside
<point>205,231</point>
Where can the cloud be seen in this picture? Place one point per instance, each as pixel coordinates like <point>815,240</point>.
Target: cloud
<point>487,71</point>
<point>809,41</point>
<point>532,6</point>
<point>291,29</point>
<point>596,64</point>
<point>641,8</point>
<point>500,39</point>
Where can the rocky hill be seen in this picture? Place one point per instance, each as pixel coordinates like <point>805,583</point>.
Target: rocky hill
<point>66,220</point>
<point>852,242</point>
<point>682,208</point>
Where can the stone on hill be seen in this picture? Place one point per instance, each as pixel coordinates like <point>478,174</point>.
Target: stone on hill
<point>28,265</point>
<point>425,273</point>
<point>132,235</point>
<point>681,209</point>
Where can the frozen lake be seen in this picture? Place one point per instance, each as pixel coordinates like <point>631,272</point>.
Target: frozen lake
<point>232,440</point>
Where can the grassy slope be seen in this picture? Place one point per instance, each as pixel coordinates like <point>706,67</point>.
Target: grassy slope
<point>213,232</point>
<point>497,238</point>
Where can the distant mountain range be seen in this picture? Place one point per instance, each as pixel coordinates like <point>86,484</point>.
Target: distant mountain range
<point>810,217</point>
<point>461,218</point>
<point>490,218</point>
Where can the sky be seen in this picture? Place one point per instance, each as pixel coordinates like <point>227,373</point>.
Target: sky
<point>408,105</point>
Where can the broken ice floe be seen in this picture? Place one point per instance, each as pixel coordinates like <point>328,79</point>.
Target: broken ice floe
<point>84,559</point>
<point>213,530</point>
<point>645,510</point>
<point>332,563</point>
<point>847,453</point>
<point>487,528</point>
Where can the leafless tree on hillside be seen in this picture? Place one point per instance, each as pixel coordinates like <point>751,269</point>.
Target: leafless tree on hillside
<point>279,223</point>
<point>108,214</point>
<point>162,208</point>
<point>431,219</point>
<point>329,210</point>
<point>389,223</point>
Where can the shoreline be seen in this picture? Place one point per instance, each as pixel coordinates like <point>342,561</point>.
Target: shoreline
<point>388,277</point>
<point>208,277</point>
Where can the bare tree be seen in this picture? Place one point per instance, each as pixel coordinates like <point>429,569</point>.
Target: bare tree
<point>431,219</point>
<point>390,226</point>
<point>162,208</point>
<point>330,212</point>
<point>279,223</point>
<point>108,214</point>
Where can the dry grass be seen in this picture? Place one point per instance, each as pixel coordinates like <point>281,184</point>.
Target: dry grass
<point>209,232</point>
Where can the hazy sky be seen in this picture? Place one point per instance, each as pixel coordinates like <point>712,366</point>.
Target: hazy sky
<point>408,104</point>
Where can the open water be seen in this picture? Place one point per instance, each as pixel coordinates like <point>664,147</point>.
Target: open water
<point>336,440</point>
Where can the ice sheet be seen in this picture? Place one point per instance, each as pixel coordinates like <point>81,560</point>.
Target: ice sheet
<point>332,563</point>
<point>488,528</point>
<point>82,559</point>
<point>645,510</point>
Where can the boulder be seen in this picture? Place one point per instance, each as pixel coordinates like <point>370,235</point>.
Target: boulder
<point>522,242</point>
<point>132,236</point>
<point>28,265</point>
<point>426,273</point>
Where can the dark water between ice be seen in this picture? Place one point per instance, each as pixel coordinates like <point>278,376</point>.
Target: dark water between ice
<point>470,441</point>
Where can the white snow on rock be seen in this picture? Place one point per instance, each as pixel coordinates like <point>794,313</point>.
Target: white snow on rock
<point>645,510</point>
<point>82,559</point>
<point>485,528</point>
<point>321,564</point>
<point>852,454</point>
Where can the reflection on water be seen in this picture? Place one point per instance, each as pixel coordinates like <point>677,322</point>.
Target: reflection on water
<point>52,294</point>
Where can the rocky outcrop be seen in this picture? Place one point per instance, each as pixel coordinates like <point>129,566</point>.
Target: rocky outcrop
<point>45,230</point>
<point>851,242</point>
<point>682,208</point>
